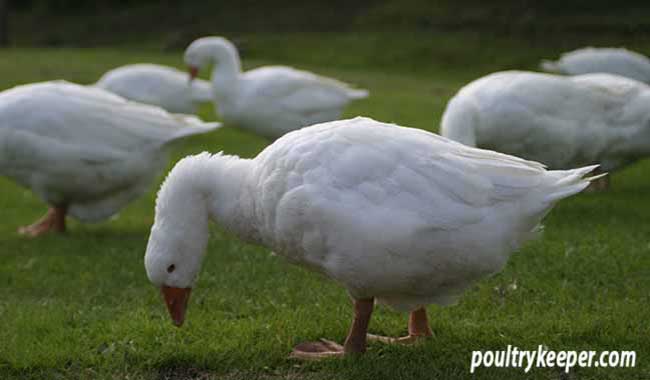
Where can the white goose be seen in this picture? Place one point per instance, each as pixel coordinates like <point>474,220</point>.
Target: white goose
<point>395,214</point>
<point>269,101</point>
<point>84,151</point>
<point>601,60</point>
<point>157,85</point>
<point>562,122</point>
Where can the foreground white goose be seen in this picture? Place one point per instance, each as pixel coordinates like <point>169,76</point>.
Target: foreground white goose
<point>560,121</point>
<point>395,214</point>
<point>157,85</point>
<point>84,151</point>
<point>269,101</point>
<point>617,61</point>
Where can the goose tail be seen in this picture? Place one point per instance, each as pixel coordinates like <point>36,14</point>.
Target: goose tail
<point>192,125</point>
<point>358,94</point>
<point>570,182</point>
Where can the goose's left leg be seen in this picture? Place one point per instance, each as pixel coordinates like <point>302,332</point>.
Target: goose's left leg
<point>418,329</point>
<point>53,220</point>
<point>354,343</point>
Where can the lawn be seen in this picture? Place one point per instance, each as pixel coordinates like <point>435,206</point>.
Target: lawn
<point>79,305</point>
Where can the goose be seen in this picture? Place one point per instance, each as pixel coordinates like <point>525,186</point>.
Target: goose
<point>161,86</point>
<point>271,100</point>
<point>563,122</point>
<point>617,61</point>
<point>394,214</point>
<point>84,151</point>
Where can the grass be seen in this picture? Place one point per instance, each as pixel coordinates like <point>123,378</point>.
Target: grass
<point>79,306</point>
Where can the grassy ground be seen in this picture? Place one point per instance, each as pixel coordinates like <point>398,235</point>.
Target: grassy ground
<point>79,306</point>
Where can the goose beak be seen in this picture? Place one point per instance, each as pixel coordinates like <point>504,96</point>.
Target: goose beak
<point>176,301</point>
<point>194,71</point>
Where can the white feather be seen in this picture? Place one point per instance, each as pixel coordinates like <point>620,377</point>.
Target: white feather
<point>157,85</point>
<point>84,147</point>
<point>564,122</point>
<point>399,214</point>
<point>271,100</point>
<point>617,61</point>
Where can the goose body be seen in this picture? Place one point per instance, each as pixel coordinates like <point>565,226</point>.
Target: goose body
<point>560,121</point>
<point>84,149</point>
<point>157,85</point>
<point>391,213</point>
<point>272,100</point>
<point>618,61</point>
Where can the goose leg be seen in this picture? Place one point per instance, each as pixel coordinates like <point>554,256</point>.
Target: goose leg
<point>354,343</point>
<point>418,329</point>
<point>52,221</point>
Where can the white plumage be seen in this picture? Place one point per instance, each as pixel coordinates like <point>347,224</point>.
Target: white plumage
<point>161,86</point>
<point>271,100</point>
<point>562,122</point>
<point>83,148</point>
<point>397,214</point>
<point>617,61</point>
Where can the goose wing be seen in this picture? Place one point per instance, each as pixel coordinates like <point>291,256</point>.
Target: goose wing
<point>101,123</point>
<point>302,91</point>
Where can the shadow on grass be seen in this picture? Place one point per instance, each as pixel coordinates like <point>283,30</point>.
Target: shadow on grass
<point>186,370</point>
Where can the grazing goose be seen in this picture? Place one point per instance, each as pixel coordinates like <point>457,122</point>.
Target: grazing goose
<point>84,151</point>
<point>161,86</point>
<point>395,214</point>
<point>269,101</point>
<point>563,122</point>
<point>617,61</point>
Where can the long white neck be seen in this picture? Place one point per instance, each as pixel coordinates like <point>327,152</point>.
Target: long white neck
<point>226,71</point>
<point>204,187</point>
<point>198,189</point>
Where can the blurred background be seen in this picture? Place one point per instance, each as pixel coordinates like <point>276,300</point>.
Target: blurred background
<point>85,22</point>
<point>168,24</point>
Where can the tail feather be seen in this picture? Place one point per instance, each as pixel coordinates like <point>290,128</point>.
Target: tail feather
<point>571,182</point>
<point>192,125</point>
<point>358,94</point>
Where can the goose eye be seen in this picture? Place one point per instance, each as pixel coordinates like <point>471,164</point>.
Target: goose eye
<point>171,268</point>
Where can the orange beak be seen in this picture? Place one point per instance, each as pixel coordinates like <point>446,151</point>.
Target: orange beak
<point>194,71</point>
<point>176,300</point>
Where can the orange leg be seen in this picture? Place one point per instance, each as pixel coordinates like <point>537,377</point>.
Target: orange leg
<point>354,343</point>
<point>418,329</point>
<point>52,221</point>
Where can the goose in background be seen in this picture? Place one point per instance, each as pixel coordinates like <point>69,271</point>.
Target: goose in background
<point>162,86</point>
<point>560,121</point>
<point>394,214</point>
<point>588,60</point>
<point>84,151</point>
<point>271,100</point>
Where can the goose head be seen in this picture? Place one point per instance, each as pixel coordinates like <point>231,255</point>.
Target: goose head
<point>199,188</point>
<point>208,51</point>
<point>179,236</point>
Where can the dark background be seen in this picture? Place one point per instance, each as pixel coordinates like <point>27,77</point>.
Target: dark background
<point>173,23</point>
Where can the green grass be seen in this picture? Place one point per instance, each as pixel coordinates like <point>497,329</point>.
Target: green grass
<point>79,306</point>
